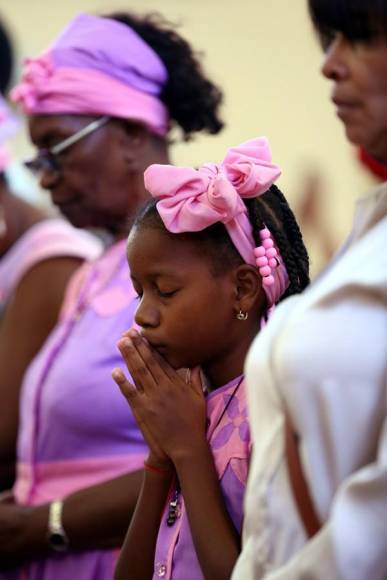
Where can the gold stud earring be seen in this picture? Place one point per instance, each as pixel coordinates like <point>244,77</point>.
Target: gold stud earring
<point>242,315</point>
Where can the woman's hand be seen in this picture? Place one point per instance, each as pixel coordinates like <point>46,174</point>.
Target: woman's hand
<point>23,531</point>
<point>170,412</point>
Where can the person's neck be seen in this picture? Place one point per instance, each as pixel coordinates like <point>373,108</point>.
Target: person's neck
<point>230,365</point>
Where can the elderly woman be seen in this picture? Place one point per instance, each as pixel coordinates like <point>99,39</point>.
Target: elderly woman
<point>317,494</point>
<point>101,102</point>
<point>38,255</point>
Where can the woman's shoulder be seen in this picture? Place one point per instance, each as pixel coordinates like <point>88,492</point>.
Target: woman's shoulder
<point>55,236</point>
<point>45,240</point>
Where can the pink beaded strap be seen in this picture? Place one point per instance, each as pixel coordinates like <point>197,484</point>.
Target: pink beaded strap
<point>271,267</point>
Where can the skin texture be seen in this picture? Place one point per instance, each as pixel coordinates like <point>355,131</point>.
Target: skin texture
<point>100,183</point>
<point>191,312</point>
<point>27,320</point>
<point>358,72</point>
<point>178,291</point>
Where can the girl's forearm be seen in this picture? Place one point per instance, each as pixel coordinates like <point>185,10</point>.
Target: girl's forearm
<point>138,552</point>
<point>216,540</point>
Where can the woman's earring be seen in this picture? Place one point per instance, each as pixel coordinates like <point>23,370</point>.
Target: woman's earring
<point>242,315</point>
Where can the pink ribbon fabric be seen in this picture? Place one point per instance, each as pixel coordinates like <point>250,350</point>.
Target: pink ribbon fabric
<point>97,66</point>
<point>190,199</point>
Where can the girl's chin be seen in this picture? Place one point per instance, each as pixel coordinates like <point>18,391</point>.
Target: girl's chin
<point>177,363</point>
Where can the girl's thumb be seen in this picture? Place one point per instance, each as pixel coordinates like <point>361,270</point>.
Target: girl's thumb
<point>196,380</point>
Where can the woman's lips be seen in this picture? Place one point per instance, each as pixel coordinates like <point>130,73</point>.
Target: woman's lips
<point>345,104</point>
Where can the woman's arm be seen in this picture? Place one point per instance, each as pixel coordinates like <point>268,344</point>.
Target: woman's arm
<point>216,540</point>
<point>138,552</point>
<point>93,518</point>
<point>28,319</point>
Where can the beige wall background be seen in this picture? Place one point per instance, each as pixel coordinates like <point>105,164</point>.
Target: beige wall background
<point>266,58</point>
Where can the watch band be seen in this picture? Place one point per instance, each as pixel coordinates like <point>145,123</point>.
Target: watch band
<point>57,536</point>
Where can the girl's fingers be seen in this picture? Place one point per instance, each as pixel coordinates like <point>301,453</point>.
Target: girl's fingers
<point>130,393</point>
<point>137,368</point>
<point>155,363</point>
<point>196,381</point>
<point>126,388</point>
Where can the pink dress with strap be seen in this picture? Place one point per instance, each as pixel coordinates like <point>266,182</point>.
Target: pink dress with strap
<point>228,434</point>
<point>51,238</point>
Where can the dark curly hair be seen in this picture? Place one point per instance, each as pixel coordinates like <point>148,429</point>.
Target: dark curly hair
<point>192,99</point>
<point>358,20</point>
<point>269,209</point>
<point>6,58</point>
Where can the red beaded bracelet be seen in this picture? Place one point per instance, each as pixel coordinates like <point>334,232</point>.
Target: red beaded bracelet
<point>154,469</point>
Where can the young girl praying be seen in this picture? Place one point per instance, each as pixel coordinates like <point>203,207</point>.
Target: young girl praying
<point>209,257</point>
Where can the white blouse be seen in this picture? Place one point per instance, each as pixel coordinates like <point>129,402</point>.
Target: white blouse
<point>323,357</point>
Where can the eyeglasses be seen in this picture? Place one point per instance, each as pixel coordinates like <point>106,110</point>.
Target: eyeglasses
<point>47,159</point>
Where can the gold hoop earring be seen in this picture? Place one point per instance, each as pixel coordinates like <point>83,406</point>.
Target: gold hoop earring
<point>242,315</point>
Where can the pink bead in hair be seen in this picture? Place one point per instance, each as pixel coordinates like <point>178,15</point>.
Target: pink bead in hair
<point>266,255</point>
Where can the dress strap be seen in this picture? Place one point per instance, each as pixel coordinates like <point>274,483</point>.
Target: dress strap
<point>301,494</point>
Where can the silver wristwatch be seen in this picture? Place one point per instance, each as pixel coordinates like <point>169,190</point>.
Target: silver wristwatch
<point>57,536</point>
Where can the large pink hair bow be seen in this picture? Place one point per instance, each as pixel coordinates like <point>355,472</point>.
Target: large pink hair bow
<point>190,199</point>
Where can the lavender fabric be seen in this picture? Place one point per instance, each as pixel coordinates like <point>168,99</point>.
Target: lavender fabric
<point>123,55</point>
<point>76,429</point>
<point>229,438</point>
<point>97,66</point>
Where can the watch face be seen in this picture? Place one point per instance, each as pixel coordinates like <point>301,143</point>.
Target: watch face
<point>58,542</point>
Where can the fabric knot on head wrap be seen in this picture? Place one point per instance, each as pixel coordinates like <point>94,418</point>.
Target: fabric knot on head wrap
<point>190,200</point>
<point>97,66</point>
<point>36,74</point>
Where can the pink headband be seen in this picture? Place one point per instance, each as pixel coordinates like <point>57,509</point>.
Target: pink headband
<point>8,126</point>
<point>190,200</point>
<point>97,66</point>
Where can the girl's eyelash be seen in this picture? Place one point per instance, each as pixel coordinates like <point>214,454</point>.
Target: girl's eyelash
<point>166,294</point>
<point>159,292</point>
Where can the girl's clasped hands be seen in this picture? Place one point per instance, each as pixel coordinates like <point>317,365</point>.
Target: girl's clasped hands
<point>170,411</point>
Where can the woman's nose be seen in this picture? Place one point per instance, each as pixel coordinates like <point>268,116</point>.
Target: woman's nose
<point>48,179</point>
<point>335,64</point>
<point>147,315</point>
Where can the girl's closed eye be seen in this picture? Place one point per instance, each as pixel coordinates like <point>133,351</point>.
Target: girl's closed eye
<point>164,293</point>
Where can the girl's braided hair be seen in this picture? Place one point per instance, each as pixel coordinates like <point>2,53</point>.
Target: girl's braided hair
<point>271,210</point>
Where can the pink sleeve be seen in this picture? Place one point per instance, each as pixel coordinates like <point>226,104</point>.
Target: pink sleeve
<point>47,239</point>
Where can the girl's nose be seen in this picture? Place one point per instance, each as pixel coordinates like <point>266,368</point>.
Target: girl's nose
<point>335,64</point>
<point>146,315</point>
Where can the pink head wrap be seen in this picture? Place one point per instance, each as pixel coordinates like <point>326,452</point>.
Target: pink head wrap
<point>97,66</point>
<point>191,200</point>
<point>8,126</point>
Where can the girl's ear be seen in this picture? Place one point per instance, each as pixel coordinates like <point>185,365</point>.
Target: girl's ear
<point>248,288</point>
